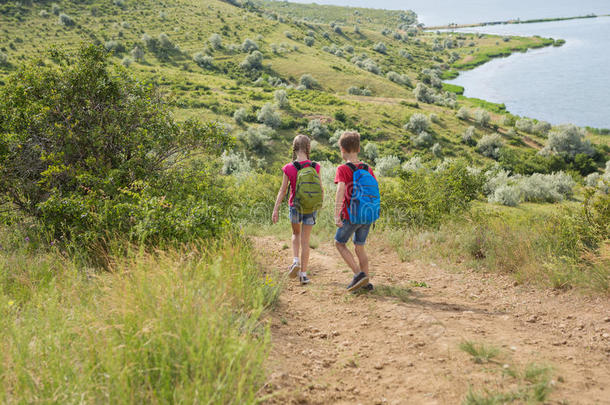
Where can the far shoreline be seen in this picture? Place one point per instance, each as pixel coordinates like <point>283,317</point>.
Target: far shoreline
<point>454,26</point>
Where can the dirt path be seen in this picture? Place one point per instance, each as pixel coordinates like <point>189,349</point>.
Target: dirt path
<point>401,344</point>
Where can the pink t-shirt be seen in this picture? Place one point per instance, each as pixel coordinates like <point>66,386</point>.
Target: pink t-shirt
<point>291,172</point>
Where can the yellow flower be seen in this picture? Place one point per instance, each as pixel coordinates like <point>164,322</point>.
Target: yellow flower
<point>11,303</point>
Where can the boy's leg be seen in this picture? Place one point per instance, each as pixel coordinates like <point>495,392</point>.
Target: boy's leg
<point>305,235</point>
<point>347,256</point>
<point>363,259</point>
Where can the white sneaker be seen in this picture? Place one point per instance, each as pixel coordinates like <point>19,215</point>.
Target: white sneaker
<point>294,270</point>
<point>303,279</point>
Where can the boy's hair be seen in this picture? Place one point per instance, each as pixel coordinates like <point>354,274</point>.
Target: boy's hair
<point>350,141</point>
<point>301,143</point>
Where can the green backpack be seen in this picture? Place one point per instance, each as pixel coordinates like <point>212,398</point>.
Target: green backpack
<point>308,191</point>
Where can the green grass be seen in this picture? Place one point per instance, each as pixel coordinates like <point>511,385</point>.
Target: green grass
<point>181,326</point>
<point>481,353</point>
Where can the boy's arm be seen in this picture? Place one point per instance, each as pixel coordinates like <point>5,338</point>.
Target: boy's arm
<point>280,196</point>
<point>339,203</point>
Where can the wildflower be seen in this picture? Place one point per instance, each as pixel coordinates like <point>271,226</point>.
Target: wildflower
<point>11,303</point>
<point>27,238</point>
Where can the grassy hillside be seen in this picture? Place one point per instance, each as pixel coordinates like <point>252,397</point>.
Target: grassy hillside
<point>168,35</point>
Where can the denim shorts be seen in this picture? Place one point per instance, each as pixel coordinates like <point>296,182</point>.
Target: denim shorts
<point>360,232</point>
<point>306,219</point>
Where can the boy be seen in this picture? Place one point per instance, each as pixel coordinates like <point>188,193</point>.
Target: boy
<point>349,143</point>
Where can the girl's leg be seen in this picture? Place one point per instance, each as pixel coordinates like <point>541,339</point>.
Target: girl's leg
<point>306,233</point>
<point>296,239</point>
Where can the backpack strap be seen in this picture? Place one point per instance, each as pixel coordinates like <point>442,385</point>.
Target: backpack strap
<point>297,165</point>
<point>351,166</point>
<point>300,166</point>
<point>363,166</point>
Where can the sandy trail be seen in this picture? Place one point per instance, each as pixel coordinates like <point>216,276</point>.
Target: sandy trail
<point>331,347</point>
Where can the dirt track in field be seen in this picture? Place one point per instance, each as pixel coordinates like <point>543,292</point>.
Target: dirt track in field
<point>332,347</point>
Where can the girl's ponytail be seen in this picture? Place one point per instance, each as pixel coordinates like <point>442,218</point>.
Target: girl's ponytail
<point>301,143</point>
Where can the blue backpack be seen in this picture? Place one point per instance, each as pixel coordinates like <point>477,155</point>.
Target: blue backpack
<point>365,203</point>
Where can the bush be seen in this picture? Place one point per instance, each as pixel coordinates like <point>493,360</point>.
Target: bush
<point>593,179</point>
<point>235,163</point>
<point>309,41</point>
<point>426,199</point>
<point>281,98</point>
<point>371,151</point>
<point>546,187</point>
<point>92,153</point>
<point>463,114</point>
<point>137,53</point>
<point>424,94</point>
<point>437,150</point>
<point>567,141</point>
<point>288,34</point>
<point>253,61</point>
<point>482,117</point>
<point>269,116</point>
<point>257,139</point>
<point>380,47</point>
<point>358,91</point>
<point>468,137</point>
<point>126,61</point>
<point>114,46</point>
<point>542,128</point>
<point>44,13</point>
<point>164,41</point>
<point>398,78</point>
<point>435,118</point>
<point>3,58</point>
<point>55,8</point>
<point>216,41</point>
<point>422,140</point>
<point>308,81</point>
<point>490,145</point>
<point>203,60</point>
<point>317,130</point>
<point>387,166</point>
<point>249,45</point>
<point>413,165</point>
<point>417,123</point>
<point>66,20</point>
<point>505,195</point>
<point>240,115</point>
<point>525,125</point>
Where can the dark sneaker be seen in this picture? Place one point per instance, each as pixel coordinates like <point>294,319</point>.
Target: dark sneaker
<point>368,287</point>
<point>304,280</point>
<point>294,269</point>
<point>360,280</point>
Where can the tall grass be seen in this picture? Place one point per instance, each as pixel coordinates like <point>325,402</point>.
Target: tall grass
<point>173,326</point>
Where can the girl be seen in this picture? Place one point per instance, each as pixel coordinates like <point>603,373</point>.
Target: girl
<point>301,147</point>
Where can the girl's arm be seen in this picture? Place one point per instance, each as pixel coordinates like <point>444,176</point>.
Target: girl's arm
<point>280,196</point>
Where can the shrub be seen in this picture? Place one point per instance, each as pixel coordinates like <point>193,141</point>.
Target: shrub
<point>309,41</point>
<point>387,166</point>
<point>425,199</point>
<point>371,151</point>
<point>417,123</point>
<point>288,34</point>
<point>93,153</point>
<point>380,47</point>
<point>542,128</point>
<point>147,40</point>
<point>424,94</point>
<point>203,60</point>
<point>567,141</point>
<point>356,29</point>
<point>44,13</point>
<point>235,163</point>
<point>422,140</point>
<point>55,8</point>
<point>249,45</point>
<point>405,54</point>
<point>308,81</point>
<point>490,145</point>
<point>317,130</point>
<point>435,118</point>
<point>126,61</point>
<point>505,195</point>
<point>337,29</point>
<point>3,58</point>
<point>240,115</point>
<point>546,187</point>
<point>164,41</point>
<point>113,46</point>
<point>398,78</point>
<point>525,125</point>
<point>593,179</point>
<point>359,91</point>
<point>253,61</point>
<point>257,139</point>
<point>137,53</point>
<point>463,114</point>
<point>413,165</point>
<point>66,20</point>
<point>269,116</point>
<point>216,41</point>
<point>437,150</point>
<point>281,98</point>
<point>468,137</point>
<point>348,49</point>
<point>482,117</point>
<point>371,66</point>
